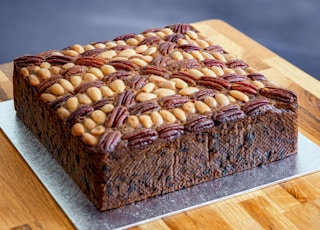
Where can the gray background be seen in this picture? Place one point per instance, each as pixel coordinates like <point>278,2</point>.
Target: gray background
<point>289,28</point>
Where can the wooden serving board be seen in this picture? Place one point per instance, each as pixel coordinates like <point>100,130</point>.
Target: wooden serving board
<point>25,203</point>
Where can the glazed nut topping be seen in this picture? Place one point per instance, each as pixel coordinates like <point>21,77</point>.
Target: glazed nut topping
<point>157,84</point>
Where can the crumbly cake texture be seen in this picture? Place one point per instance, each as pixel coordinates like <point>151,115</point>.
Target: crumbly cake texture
<point>150,113</point>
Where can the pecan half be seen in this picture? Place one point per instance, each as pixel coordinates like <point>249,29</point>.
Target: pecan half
<point>122,47</point>
<point>137,82</point>
<point>198,123</point>
<point>47,83</point>
<point>121,74</point>
<point>215,49</point>
<point>180,28</point>
<point>256,107</point>
<point>98,104</point>
<point>28,60</point>
<point>233,77</point>
<point>188,47</point>
<point>279,94</point>
<point>84,86</point>
<point>214,83</point>
<point>174,37</point>
<point>58,102</point>
<point>90,61</point>
<point>245,87</point>
<point>228,113</point>
<point>156,70</point>
<point>256,77</point>
<point>173,101</point>
<point>144,107</point>
<point>161,61</point>
<point>126,98</point>
<point>59,59</point>
<point>75,70</point>
<point>109,141</point>
<point>140,138</point>
<point>151,30</point>
<point>170,132</point>
<point>124,65</point>
<point>149,41</point>
<point>93,52</point>
<point>117,117</point>
<point>213,62</point>
<point>124,37</point>
<point>202,94</point>
<point>185,64</point>
<point>166,48</point>
<point>76,115</point>
<point>237,64</point>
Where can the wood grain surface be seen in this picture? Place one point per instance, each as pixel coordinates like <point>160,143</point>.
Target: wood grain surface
<point>26,204</point>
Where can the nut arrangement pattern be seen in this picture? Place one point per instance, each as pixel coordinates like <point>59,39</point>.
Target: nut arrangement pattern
<point>140,87</point>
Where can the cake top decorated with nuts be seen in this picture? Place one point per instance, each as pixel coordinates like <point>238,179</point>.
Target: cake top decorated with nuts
<point>137,88</point>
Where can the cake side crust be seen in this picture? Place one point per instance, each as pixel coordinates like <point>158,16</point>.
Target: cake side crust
<point>125,175</point>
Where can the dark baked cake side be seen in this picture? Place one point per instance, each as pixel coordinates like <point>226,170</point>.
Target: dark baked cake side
<point>125,176</point>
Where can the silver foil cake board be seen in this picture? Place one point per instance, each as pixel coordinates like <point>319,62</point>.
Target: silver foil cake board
<point>84,215</point>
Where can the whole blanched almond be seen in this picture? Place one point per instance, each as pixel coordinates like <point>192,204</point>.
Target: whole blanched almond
<point>146,121</point>
<point>107,108</point>
<point>89,139</point>
<point>198,74</point>
<point>156,79</point>
<point>107,69</point>
<point>66,85</point>
<point>167,116</point>
<point>211,102</point>
<point>133,121</point>
<point>106,91</point>
<point>33,80</point>
<point>208,72</point>
<point>180,84</point>
<point>47,97</point>
<point>127,53</point>
<point>77,129</point>
<point>222,99</point>
<point>98,131</point>
<point>72,103</point>
<point>163,92</point>
<point>180,114</point>
<point>167,84</point>
<point>145,96</point>
<point>148,88</point>
<point>107,54</point>
<point>188,91</point>
<point>94,93</point>
<point>44,73</point>
<point>139,62</point>
<point>98,116</point>
<point>96,71</point>
<point>63,113</point>
<point>156,118</point>
<point>201,107</point>
<point>189,107</point>
<point>84,99</point>
<point>57,89</point>
<point>117,86</point>
<point>75,80</point>
<point>239,95</point>
<point>141,49</point>
<point>258,84</point>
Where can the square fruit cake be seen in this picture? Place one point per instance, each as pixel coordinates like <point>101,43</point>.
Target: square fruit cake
<point>150,113</point>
